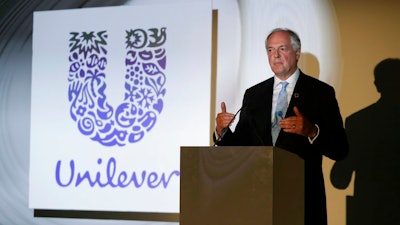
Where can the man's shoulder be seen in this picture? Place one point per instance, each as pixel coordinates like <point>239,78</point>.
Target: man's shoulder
<point>312,81</point>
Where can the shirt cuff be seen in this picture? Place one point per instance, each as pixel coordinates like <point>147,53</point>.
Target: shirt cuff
<point>216,134</point>
<point>311,140</point>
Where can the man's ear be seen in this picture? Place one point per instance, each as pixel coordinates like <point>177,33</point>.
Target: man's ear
<point>298,53</point>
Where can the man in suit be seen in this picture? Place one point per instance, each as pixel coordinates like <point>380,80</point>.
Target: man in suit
<point>312,126</point>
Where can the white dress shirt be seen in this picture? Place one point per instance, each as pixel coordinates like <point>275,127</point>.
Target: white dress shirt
<point>292,80</point>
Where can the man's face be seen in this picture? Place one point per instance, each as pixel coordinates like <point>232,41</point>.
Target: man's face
<point>281,55</point>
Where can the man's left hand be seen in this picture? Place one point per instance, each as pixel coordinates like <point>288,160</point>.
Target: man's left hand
<point>298,124</point>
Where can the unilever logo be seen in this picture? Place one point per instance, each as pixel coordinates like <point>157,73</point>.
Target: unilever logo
<point>144,89</point>
<point>144,86</point>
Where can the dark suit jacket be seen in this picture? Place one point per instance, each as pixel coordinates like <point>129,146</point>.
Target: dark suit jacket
<point>316,100</point>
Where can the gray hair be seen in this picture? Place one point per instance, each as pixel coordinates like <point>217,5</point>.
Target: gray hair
<point>294,38</point>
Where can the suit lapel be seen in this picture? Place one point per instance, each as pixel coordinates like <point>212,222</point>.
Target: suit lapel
<point>263,112</point>
<point>298,93</point>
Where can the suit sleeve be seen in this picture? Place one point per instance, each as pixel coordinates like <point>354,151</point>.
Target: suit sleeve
<point>332,141</point>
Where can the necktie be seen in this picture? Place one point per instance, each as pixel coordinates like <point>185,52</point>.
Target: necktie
<point>280,111</point>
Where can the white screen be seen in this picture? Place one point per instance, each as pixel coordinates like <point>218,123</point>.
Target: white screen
<point>115,92</point>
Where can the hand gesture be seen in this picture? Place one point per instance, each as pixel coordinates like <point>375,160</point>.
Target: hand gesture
<point>223,119</point>
<point>298,124</point>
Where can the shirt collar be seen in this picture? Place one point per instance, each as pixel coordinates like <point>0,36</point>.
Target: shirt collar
<point>291,80</point>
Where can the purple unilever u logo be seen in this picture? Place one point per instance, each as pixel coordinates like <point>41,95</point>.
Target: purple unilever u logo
<point>144,86</point>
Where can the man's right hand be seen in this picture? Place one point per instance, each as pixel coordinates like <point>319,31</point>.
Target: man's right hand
<point>223,119</point>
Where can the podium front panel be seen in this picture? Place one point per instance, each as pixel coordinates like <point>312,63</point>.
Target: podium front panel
<point>235,186</point>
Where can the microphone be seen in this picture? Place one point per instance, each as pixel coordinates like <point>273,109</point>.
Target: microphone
<point>227,127</point>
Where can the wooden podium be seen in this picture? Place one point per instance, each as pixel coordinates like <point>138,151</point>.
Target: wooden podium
<point>241,186</point>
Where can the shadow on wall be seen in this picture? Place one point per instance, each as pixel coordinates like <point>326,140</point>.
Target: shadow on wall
<point>309,64</point>
<point>374,139</point>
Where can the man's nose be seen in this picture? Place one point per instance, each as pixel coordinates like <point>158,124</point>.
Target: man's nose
<point>276,54</point>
